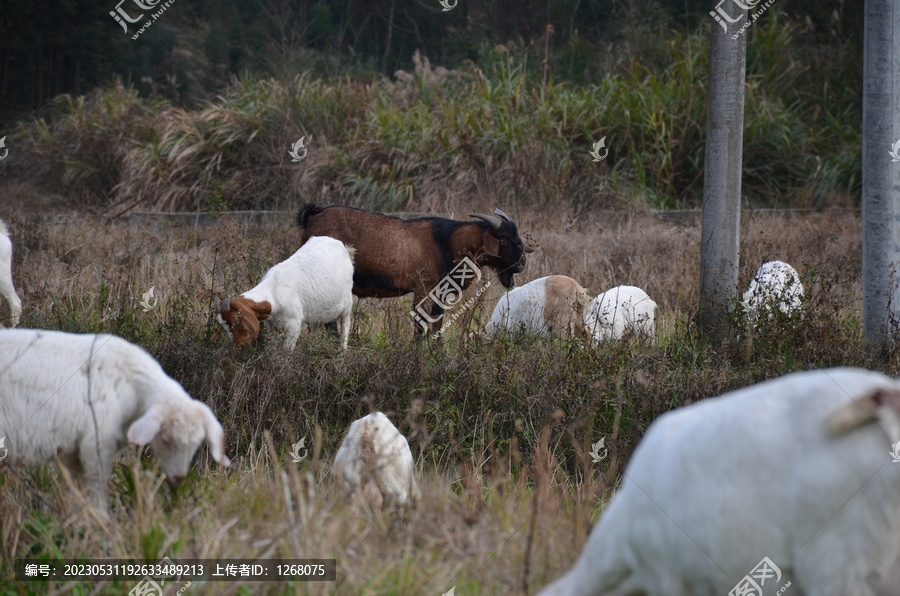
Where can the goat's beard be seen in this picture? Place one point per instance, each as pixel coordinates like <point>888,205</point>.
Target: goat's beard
<point>506,279</point>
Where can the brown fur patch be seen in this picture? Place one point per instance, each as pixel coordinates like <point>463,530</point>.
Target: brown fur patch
<point>566,304</point>
<point>862,410</point>
<point>243,318</point>
<point>398,247</point>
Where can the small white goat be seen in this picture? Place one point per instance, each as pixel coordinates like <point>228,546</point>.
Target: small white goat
<point>794,469</point>
<point>555,303</point>
<point>82,396</point>
<point>7,290</point>
<point>374,461</point>
<point>620,311</point>
<point>315,285</point>
<point>775,285</point>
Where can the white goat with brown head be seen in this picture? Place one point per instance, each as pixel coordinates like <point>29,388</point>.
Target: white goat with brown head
<point>315,285</point>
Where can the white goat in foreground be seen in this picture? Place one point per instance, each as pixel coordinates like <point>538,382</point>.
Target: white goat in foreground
<point>315,285</point>
<point>375,462</point>
<point>7,290</point>
<point>621,311</point>
<point>776,285</point>
<point>795,469</point>
<point>82,396</point>
<point>552,304</point>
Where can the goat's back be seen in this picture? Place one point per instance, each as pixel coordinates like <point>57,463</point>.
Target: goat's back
<point>776,284</point>
<point>393,256</point>
<point>5,247</point>
<point>555,303</point>
<point>716,486</point>
<point>375,451</point>
<point>621,310</point>
<point>313,285</point>
<point>54,386</point>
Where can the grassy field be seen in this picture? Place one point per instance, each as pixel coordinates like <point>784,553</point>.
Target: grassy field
<point>500,429</point>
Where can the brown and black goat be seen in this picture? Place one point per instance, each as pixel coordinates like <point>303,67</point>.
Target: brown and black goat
<point>395,256</point>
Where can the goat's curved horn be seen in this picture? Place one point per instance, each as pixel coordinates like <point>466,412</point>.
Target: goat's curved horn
<point>492,221</point>
<point>502,215</point>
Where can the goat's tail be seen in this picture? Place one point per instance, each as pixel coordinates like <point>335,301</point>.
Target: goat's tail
<point>308,211</point>
<point>4,231</point>
<point>352,252</point>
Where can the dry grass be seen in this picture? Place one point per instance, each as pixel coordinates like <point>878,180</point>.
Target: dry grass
<point>500,429</point>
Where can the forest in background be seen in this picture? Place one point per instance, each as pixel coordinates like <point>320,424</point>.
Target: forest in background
<point>503,103</point>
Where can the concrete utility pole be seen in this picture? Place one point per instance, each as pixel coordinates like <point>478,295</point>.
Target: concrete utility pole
<point>880,175</point>
<point>720,235</point>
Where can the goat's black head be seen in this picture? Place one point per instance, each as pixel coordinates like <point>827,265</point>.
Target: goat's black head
<point>505,250</point>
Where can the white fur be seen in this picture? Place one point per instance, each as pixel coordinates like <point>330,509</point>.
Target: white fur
<point>527,308</point>
<point>7,290</point>
<point>374,461</point>
<point>619,311</point>
<point>315,285</point>
<point>775,285</point>
<point>716,486</point>
<point>86,396</point>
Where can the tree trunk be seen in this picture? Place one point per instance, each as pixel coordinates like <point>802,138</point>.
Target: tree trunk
<point>880,177</point>
<point>387,45</point>
<point>720,235</point>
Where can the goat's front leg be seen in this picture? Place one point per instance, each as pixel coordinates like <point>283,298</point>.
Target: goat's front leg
<point>428,315</point>
<point>96,461</point>
<point>292,332</point>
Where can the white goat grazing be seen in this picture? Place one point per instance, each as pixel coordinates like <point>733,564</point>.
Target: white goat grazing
<point>374,461</point>
<point>82,396</point>
<point>7,290</point>
<point>315,285</point>
<point>622,310</point>
<point>555,303</point>
<point>776,285</point>
<point>794,469</point>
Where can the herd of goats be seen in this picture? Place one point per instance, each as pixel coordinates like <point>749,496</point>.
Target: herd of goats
<point>786,486</point>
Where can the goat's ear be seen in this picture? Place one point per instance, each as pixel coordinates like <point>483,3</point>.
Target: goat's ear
<point>215,437</point>
<point>261,309</point>
<point>491,244</point>
<point>142,430</point>
<point>879,404</point>
<point>246,320</point>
